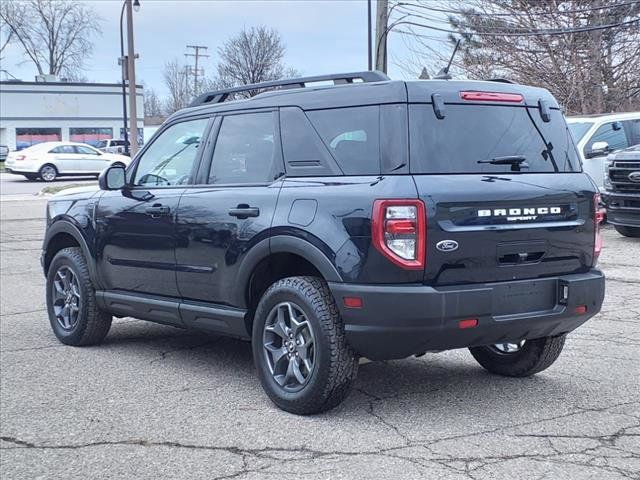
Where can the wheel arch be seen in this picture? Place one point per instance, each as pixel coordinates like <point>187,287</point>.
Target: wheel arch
<point>63,234</point>
<point>279,257</point>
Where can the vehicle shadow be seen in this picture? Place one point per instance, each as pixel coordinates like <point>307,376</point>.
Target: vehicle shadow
<point>432,383</point>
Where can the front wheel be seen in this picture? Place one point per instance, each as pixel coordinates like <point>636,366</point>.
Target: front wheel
<point>303,360</point>
<point>519,359</point>
<point>71,301</point>
<point>628,231</point>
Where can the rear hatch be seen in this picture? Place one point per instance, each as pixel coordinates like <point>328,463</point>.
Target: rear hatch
<point>501,181</point>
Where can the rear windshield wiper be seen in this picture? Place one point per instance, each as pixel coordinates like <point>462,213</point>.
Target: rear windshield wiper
<point>516,161</point>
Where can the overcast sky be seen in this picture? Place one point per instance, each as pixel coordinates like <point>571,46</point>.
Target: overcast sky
<point>321,36</point>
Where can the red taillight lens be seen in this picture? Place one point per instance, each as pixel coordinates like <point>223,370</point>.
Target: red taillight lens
<point>491,97</point>
<point>598,217</point>
<point>21,157</point>
<point>399,230</point>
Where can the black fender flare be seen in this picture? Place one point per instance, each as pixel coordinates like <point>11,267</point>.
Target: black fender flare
<point>63,226</point>
<point>282,244</point>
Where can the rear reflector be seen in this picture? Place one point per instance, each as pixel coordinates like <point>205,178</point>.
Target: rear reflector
<point>21,157</point>
<point>468,323</point>
<point>491,97</point>
<point>352,302</point>
<point>580,309</point>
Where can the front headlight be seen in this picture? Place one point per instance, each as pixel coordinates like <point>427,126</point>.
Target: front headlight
<point>607,181</point>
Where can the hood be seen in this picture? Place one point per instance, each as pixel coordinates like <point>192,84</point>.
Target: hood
<point>76,193</point>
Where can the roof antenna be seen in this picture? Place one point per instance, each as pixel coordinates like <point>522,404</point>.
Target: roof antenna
<point>443,74</point>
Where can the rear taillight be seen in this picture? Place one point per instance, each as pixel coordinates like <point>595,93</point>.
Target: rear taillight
<point>598,217</point>
<point>21,157</point>
<point>491,97</point>
<point>399,230</point>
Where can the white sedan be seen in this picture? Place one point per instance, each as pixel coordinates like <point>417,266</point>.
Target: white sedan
<point>50,160</point>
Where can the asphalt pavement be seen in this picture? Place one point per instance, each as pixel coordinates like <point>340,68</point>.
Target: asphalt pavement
<point>154,402</point>
<point>11,184</point>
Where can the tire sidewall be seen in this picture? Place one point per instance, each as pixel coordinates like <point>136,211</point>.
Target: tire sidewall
<point>84,284</point>
<point>314,388</point>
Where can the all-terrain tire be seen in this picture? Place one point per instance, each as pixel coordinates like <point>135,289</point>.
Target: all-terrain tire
<point>335,365</point>
<point>628,231</point>
<point>533,357</point>
<point>92,324</point>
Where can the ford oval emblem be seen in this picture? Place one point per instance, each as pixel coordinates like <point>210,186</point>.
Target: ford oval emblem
<point>634,176</point>
<point>447,245</point>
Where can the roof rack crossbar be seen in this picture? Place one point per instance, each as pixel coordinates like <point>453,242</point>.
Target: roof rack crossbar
<point>219,96</point>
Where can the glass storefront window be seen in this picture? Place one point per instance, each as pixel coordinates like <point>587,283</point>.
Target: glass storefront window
<point>92,136</point>
<point>25,137</point>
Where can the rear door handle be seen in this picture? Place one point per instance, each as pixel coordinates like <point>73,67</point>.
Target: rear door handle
<point>157,210</point>
<point>243,211</point>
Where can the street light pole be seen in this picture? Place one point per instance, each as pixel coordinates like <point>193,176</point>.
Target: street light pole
<point>131,59</point>
<point>123,59</point>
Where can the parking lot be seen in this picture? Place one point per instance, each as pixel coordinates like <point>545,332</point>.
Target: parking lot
<point>157,402</point>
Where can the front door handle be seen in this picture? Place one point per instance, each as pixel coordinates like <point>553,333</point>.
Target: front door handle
<point>158,210</point>
<point>243,211</point>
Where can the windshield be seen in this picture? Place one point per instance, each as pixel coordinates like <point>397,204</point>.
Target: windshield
<point>486,138</point>
<point>578,129</point>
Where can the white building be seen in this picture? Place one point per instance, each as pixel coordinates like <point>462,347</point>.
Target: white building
<point>33,112</point>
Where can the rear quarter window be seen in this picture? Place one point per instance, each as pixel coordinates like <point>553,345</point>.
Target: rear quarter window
<point>352,135</point>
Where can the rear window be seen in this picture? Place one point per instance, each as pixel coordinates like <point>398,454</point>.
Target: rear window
<point>469,134</point>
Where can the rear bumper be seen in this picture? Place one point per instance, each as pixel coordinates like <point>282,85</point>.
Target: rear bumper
<point>397,321</point>
<point>17,171</point>
<point>622,209</point>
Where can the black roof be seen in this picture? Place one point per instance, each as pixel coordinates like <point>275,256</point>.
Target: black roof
<point>365,93</point>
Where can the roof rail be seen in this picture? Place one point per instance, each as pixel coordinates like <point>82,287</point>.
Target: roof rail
<point>219,96</point>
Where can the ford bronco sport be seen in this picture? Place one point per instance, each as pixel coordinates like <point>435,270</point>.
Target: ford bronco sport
<point>327,222</point>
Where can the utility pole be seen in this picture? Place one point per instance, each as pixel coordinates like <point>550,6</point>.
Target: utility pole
<point>369,53</point>
<point>382,19</point>
<point>131,70</point>
<point>196,70</point>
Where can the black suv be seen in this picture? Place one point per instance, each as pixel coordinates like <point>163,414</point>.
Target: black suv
<point>357,217</point>
<point>622,197</point>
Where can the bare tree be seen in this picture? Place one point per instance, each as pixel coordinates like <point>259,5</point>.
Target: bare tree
<point>12,10</point>
<point>254,55</point>
<point>54,34</point>
<point>176,80</point>
<point>152,104</point>
<point>587,52</point>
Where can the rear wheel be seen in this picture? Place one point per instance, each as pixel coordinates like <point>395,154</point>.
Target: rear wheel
<point>519,359</point>
<point>48,173</point>
<point>628,231</point>
<point>303,360</point>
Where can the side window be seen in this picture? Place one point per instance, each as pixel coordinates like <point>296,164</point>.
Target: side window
<point>169,159</point>
<point>63,149</point>
<point>612,133</point>
<point>245,149</point>
<point>85,150</point>
<point>353,137</point>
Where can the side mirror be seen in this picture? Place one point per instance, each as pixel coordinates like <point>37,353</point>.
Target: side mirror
<point>112,178</point>
<point>598,149</point>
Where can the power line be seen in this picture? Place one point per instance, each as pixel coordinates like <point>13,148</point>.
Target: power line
<point>499,14</point>
<point>527,33</point>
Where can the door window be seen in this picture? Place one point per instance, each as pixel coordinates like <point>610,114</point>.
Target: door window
<point>632,130</point>
<point>612,133</point>
<point>63,149</point>
<point>169,160</point>
<point>245,149</point>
